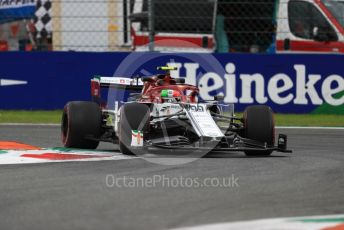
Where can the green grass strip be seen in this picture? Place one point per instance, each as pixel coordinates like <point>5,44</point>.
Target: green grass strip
<point>37,116</point>
<point>323,120</point>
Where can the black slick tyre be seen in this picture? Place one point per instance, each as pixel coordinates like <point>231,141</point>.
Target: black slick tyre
<point>133,116</point>
<point>81,125</point>
<point>259,125</point>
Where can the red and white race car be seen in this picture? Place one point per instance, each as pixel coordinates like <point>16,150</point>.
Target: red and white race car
<point>167,114</point>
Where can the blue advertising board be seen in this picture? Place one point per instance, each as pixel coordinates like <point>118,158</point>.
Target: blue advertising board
<point>288,83</point>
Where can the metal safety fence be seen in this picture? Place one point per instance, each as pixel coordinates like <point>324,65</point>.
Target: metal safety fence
<point>240,26</point>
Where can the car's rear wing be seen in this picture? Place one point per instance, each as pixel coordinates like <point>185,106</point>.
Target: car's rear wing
<point>117,83</point>
<point>124,83</point>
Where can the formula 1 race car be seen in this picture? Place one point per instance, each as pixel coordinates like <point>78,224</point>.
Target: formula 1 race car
<point>166,113</point>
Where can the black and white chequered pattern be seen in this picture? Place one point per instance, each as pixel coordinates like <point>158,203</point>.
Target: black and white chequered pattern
<point>42,20</point>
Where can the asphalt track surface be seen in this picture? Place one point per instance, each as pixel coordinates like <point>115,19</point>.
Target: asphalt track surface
<point>74,195</point>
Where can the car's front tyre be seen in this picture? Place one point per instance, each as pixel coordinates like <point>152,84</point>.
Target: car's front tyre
<point>259,125</point>
<point>133,116</point>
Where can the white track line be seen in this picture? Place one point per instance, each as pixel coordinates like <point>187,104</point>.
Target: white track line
<point>294,223</point>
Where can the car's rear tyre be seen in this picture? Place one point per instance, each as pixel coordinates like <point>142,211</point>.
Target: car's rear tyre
<point>133,116</point>
<point>259,125</point>
<point>81,122</point>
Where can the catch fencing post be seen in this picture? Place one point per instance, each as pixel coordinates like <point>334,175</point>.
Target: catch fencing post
<point>151,24</point>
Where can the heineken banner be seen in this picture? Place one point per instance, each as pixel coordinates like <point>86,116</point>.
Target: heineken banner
<point>288,83</point>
